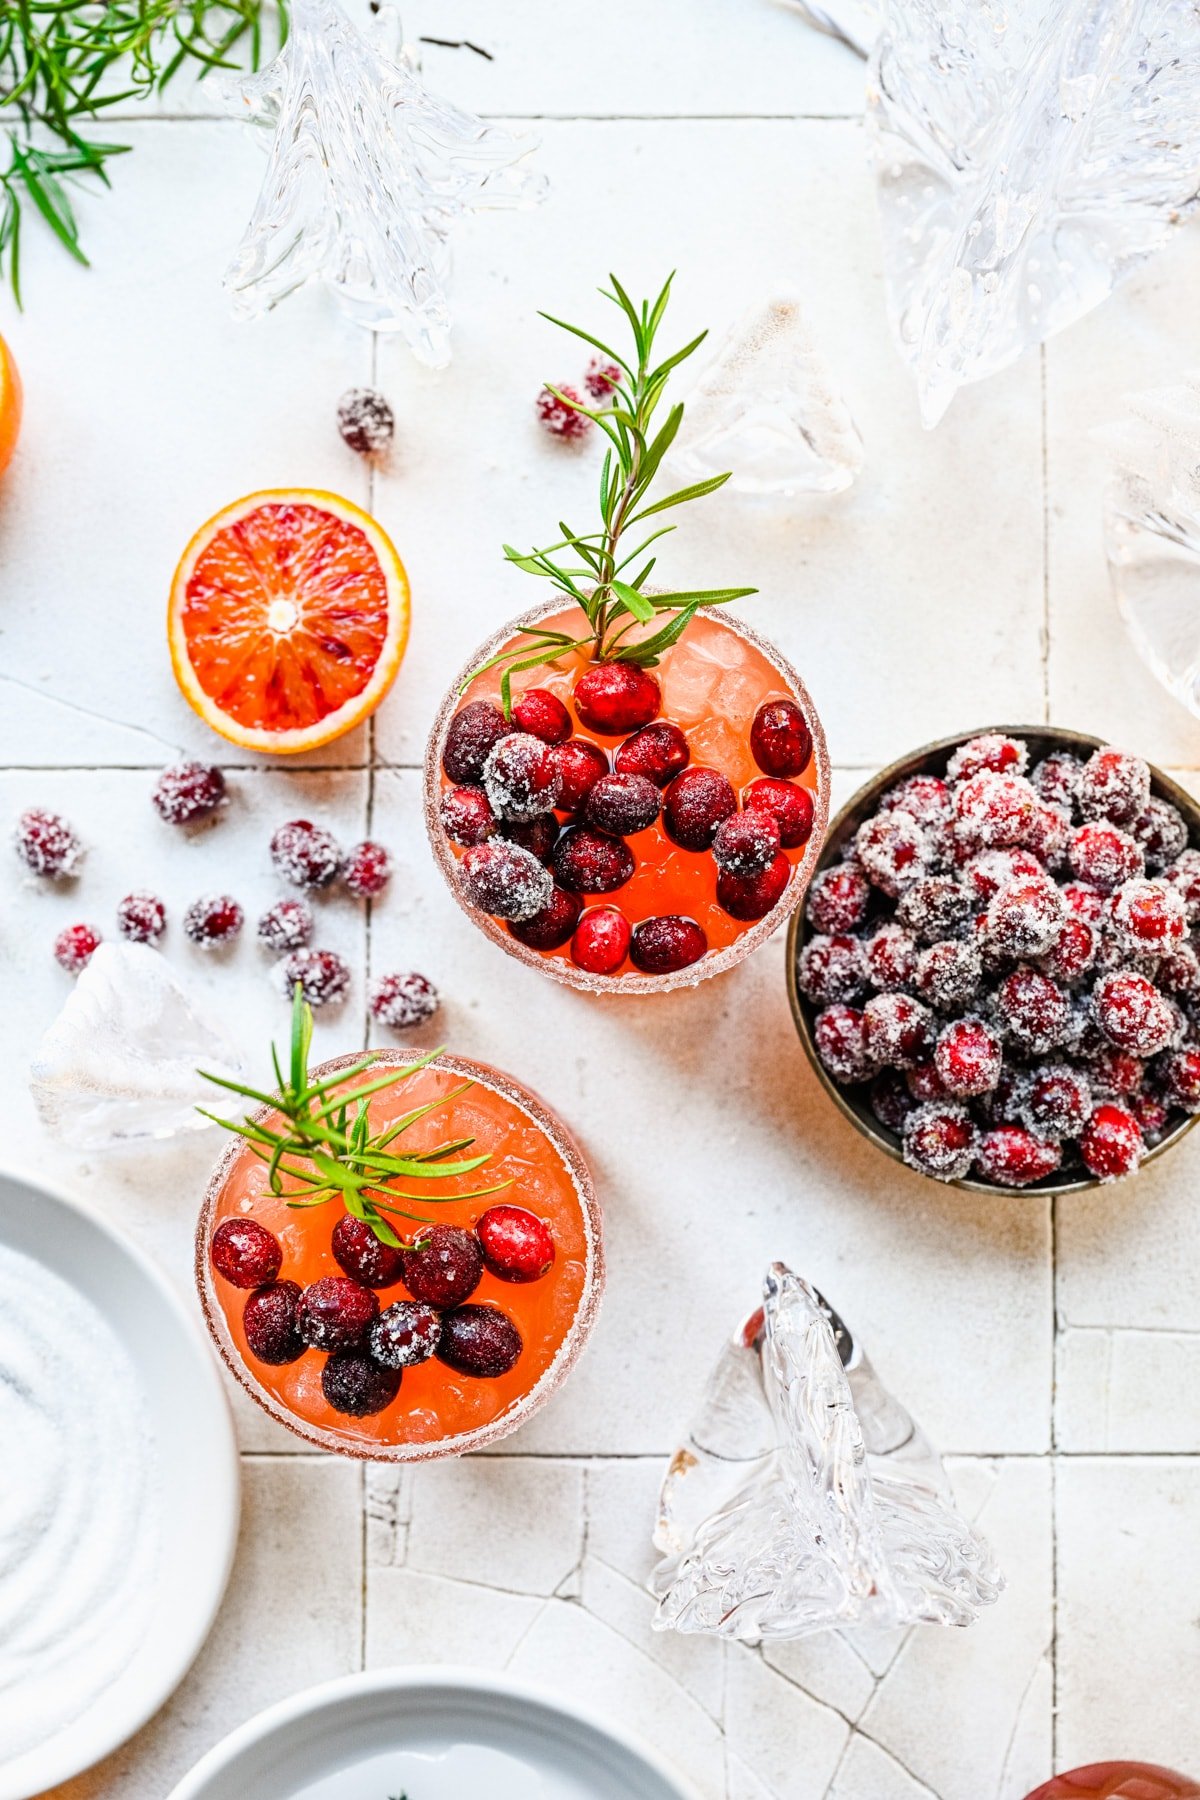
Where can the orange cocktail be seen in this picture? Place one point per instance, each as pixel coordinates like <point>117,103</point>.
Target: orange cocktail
<point>438,1410</point>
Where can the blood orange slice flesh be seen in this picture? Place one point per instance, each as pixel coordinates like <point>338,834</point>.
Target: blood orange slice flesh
<point>288,619</point>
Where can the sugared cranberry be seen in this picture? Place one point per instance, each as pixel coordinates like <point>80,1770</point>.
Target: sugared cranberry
<point>939,1140</point>
<point>306,855</point>
<point>322,975</point>
<point>925,797</point>
<point>615,698</point>
<point>753,896</point>
<point>1112,1143</point>
<point>924,1083</point>
<point>1179,1073</point>
<point>990,750</point>
<point>889,956</point>
<point>336,1313</point>
<point>473,732</point>
<point>890,1099</point>
<point>948,975</point>
<point>188,791</point>
<point>1178,972</point>
<point>832,969</point>
<point>403,1000</point>
<point>995,811</point>
<point>935,908</point>
<point>46,844</point>
<point>558,413</point>
<point>213,921</point>
<point>1152,1114</point>
<point>899,1030</point>
<point>580,765</point>
<point>1073,951</point>
<point>662,945</point>
<point>480,1341</point>
<point>601,941</point>
<point>1048,837</point>
<point>985,873</point>
<point>602,377</point>
<point>285,926</point>
<point>406,1333</point>
<point>893,850</point>
<point>142,918</point>
<point>1006,1102</point>
<point>539,835</point>
<point>1148,915</point>
<point>838,899</point>
<point>505,879</point>
<point>696,803</point>
<point>840,1035</point>
<point>521,778</point>
<point>353,1383</point>
<point>1024,918</point>
<point>790,806</point>
<point>466,815</point>
<point>968,1058</point>
<point>554,926</point>
<point>1115,1073</point>
<point>1056,779</point>
<point>1033,1009</point>
<point>591,862</point>
<point>1113,785</point>
<point>245,1252</point>
<point>659,752</point>
<point>1058,1102</point>
<point>517,1245</point>
<point>1132,1013</point>
<point>1011,1156</point>
<point>780,740</point>
<point>365,421</point>
<point>543,715</point>
<point>1082,899</point>
<point>1184,876</point>
<point>1104,856</point>
<point>1162,832</point>
<point>444,1267</point>
<point>746,843</point>
<point>363,1256</point>
<point>269,1322</point>
<point>367,870</point>
<point>622,804</point>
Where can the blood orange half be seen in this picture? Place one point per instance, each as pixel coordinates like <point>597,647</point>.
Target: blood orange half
<point>288,619</point>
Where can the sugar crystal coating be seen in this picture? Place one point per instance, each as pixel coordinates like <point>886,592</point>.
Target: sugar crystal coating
<point>505,879</point>
<point>46,844</point>
<point>521,778</point>
<point>890,956</point>
<point>991,750</point>
<point>893,850</point>
<point>1114,785</point>
<point>366,423</point>
<point>306,855</point>
<point>141,918</point>
<point>839,898</point>
<point>285,926</point>
<point>940,1139</point>
<point>322,975</point>
<point>403,1000</point>
<point>470,737</point>
<point>832,968</point>
<point>213,921</point>
<point>187,791</point>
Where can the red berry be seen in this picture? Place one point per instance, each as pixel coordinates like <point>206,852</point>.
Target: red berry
<point>472,733</point>
<point>1113,785</point>
<point>1033,1009</point>
<point>405,1333</point>
<point>968,1058</point>
<point>893,850</point>
<point>899,1030</point>
<point>322,975</point>
<point>948,975</point>
<point>1184,876</point>
<point>336,1313</point>
<point>1152,1114</point>
<point>189,791</point>
<point>601,941</point>
<point>1073,951</point>
<point>753,896</point>
<point>363,1256</point>
<point>696,803</point>
<point>987,872</point>
<point>925,797</point>
<point>306,855</point>
<point>142,918</point>
<point>538,836</point>
<point>213,921</point>
<point>780,740</point>
<point>889,956</point>
<point>791,808</point>
<point>580,765</point>
<point>520,777</point>
<point>1114,1073</point>
<point>659,751</point>
<point>466,815</point>
<point>1013,1157</point>
<point>1162,832</point>
<point>444,1267</point>
<point>840,1035</point>
<point>1179,1073</point>
<point>543,714</point>
<point>269,1322</point>
<point>831,969</point>
<point>505,880</point>
<point>403,1000</point>
<point>1024,918</point>
<point>365,421</point>
<point>1005,1104</point>
<point>839,899</point>
<point>559,418</point>
<point>622,804</point>
<point>890,1099</point>
<point>554,926</point>
<point>1058,1103</point>
<point>1085,901</point>
<point>939,1140</point>
<point>1148,915</point>
<point>480,1341</point>
<point>994,811</point>
<point>1056,779</point>
<point>46,844</point>
<point>367,870</point>
<point>614,698</point>
<point>591,862</point>
<point>1048,836</point>
<point>1178,972</point>
<point>935,908</point>
<point>1104,856</point>
<point>602,377</point>
<point>991,750</point>
<point>354,1384</point>
<point>923,1082</point>
<point>661,946</point>
<point>746,843</point>
<point>1112,1143</point>
<point>517,1245</point>
<point>285,926</point>
<point>246,1253</point>
<point>1132,1013</point>
<point>75,947</point>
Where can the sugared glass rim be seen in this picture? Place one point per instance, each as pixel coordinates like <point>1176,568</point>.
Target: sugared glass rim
<point>551,1379</point>
<point>714,962</point>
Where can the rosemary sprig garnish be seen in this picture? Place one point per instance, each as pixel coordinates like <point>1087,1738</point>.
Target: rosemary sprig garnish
<point>329,1151</point>
<point>613,600</point>
<point>64,62</point>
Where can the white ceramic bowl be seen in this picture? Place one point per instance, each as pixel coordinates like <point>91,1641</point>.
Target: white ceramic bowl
<point>197,1467</point>
<point>394,1731</point>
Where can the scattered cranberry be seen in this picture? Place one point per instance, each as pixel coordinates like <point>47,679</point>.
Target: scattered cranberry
<point>353,1383</point>
<point>305,855</point>
<point>948,975</point>
<point>269,1322</point>
<point>780,740</point>
<point>1113,785</point>
<point>696,803</point>
<point>591,862</point>
<point>1112,1143</point>
<point>1073,951</point>
<point>517,1245</point>
<point>543,714</point>
<point>889,955</point>
<point>521,778</point>
<point>444,1267</point>
<point>406,1333</point>
<point>899,1030</point>
<point>365,421</point>
<point>659,751</point>
<point>890,1099</point>
<point>213,921</point>
<point>1024,918</point>
<point>363,1256</point>
<point>601,378</point>
<point>893,850</point>
<point>561,417</point>
<point>753,896</point>
<point>840,1035</point>
<point>832,969</point>
<point>934,908</point>
<point>995,811</point>
<point>554,926</point>
<point>614,698</point>
<point>1104,856</point>
<point>1058,1102</point>
<point>939,1140</point>
<point>791,808</point>
<point>925,797</point>
<point>322,976</point>
<point>580,765</point>
<point>473,732</point>
<point>538,836</point>
<point>480,1341</point>
<point>1162,833</point>
<point>1179,1073</point>
<point>601,941</point>
<point>142,918</point>
<point>285,926</point>
<point>466,815</point>
<point>505,880</point>
<point>1011,1156</point>
<point>188,791</point>
<point>46,844</point>
<point>246,1253</point>
<point>336,1313</point>
<point>1033,1009</point>
<point>662,945</point>
<point>403,1001</point>
<point>968,1058</point>
<point>746,843</point>
<point>367,870</point>
<point>1148,915</point>
<point>839,899</point>
<point>1056,779</point>
<point>1132,1013</point>
<point>991,750</point>
<point>622,804</point>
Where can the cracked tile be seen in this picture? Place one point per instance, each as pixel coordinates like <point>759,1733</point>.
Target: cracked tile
<point>867,1772</point>
<point>506,1522</point>
<point>414,1618</point>
<point>388,1502</point>
<point>696,1663</point>
<point>790,1741</point>
<point>827,1667</point>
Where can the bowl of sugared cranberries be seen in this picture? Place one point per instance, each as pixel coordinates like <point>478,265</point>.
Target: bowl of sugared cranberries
<point>997,972</point>
<point>627,829</point>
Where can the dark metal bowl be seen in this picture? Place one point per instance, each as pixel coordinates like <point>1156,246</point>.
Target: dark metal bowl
<point>931,759</point>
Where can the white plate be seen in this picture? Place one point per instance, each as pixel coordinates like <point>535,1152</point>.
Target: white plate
<point>430,1734</point>
<point>197,1467</point>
